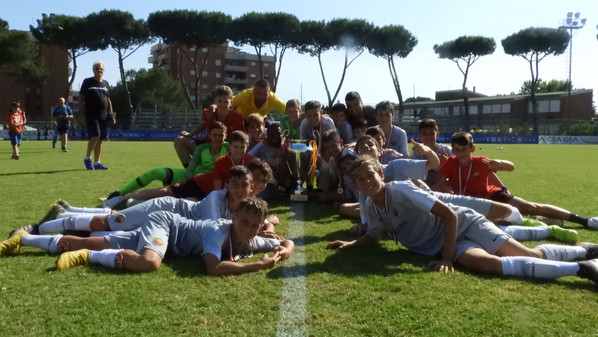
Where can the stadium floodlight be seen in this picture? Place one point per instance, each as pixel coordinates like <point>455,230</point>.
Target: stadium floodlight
<point>572,23</point>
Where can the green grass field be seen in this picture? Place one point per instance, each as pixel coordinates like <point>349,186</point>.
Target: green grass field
<point>380,290</point>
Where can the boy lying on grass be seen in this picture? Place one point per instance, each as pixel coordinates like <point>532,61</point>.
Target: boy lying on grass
<point>456,235</point>
<point>220,243</point>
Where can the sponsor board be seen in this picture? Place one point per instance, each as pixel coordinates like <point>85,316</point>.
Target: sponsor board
<point>581,140</point>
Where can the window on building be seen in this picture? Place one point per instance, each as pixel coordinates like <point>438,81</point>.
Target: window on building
<point>192,72</point>
<point>204,50</point>
<point>218,62</point>
<point>266,65</point>
<point>253,63</point>
<point>555,105</point>
<point>506,108</point>
<point>204,86</point>
<point>252,76</point>
<point>487,109</point>
<point>218,75</point>
<point>204,73</point>
<point>473,109</point>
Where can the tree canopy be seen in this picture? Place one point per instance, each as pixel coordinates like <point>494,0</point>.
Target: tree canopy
<point>534,44</point>
<point>543,86</point>
<point>465,50</point>
<point>68,32</point>
<point>389,42</point>
<point>189,32</point>
<point>15,46</point>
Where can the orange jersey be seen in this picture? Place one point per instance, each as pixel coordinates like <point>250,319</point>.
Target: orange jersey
<point>15,118</point>
<point>469,180</point>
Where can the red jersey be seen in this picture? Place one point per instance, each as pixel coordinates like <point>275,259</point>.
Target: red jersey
<point>225,163</point>
<point>205,181</point>
<point>15,118</point>
<point>469,180</point>
<point>234,121</point>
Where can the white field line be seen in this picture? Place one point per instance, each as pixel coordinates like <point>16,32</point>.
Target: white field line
<point>293,301</point>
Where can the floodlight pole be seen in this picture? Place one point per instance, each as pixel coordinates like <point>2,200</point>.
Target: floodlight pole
<point>571,23</point>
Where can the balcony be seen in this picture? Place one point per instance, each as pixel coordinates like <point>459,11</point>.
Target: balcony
<point>241,69</point>
<point>234,80</point>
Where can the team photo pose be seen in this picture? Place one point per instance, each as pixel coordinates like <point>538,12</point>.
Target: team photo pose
<point>456,235</point>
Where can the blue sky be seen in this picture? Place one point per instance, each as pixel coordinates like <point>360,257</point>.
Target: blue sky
<point>421,73</point>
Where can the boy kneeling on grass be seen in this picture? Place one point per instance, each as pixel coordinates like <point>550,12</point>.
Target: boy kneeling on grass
<point>220,243</point>
<point>454,234</point>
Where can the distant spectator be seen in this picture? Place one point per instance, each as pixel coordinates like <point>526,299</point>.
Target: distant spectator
<point>95,93</point>
<point>62,114</point>
<point>15,121</point>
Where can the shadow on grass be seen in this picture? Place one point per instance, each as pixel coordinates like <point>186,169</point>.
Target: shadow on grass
<point>42,172</point>
<point>573,284</point>
<point>186,267</point>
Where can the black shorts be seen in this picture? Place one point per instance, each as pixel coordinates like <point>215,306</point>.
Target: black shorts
<point>502,196</point>
<point>62,129</point>
<point>97,128</point>
<point>187,189</point>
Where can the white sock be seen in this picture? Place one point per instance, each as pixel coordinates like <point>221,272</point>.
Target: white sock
<point>106,257</point>
<point>101,210</point>
<point>562,253</point>
<point>523,233</point>
<point>53,226</point>
<point>79,222</point>
<point>531,267</point>
<point>104,233</point>
<point>515,217</point>
<point>49,243</point>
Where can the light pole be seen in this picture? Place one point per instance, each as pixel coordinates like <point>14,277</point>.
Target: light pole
<point>571,23</point>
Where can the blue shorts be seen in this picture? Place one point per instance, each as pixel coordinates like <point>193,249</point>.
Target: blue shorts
<point>15,138</point>
<point>97,128</point>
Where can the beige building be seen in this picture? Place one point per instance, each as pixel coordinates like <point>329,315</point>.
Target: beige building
<point>224,65</point>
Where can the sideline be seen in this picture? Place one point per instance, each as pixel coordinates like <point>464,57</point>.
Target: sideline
<point>293,301</point>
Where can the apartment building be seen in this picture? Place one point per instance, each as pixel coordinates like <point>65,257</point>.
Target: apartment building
<point>37,98</point>
<point>224,65</point>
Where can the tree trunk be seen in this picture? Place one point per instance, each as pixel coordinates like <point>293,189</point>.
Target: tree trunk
<point>126,116</point>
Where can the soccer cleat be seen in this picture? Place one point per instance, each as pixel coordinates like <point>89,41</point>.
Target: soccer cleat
<point>113,194</point>
<point>100,166</point>
<point>13,243</point>
<point>562,234</point>
<point>112,202</point>
<point>63,203</point>
<point>32,229</point>
<point>591,249</point>
<point>588,269</point>
<point>16,156</point>
<point>532,222</point>
<point>71,259</point>
<point>88,164</point>
<point>53,213</point>
<point>593,222</point>
<point>64,149</point>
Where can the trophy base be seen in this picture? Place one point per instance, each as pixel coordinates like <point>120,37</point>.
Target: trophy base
<point>299,196</point>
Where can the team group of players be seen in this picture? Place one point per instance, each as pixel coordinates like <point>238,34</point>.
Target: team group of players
<point>437,200</point>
